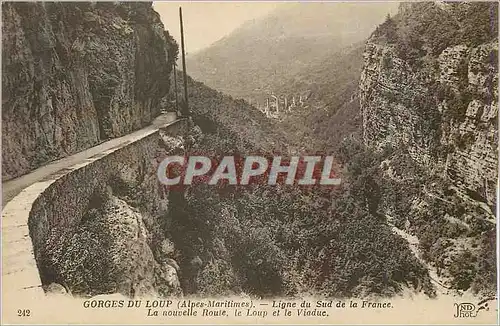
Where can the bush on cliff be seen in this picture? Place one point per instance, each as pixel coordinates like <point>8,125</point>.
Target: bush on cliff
<point>286,241</point>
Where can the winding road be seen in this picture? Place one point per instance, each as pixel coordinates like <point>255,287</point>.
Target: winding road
<point>13,187</point>
<point>413,244</point>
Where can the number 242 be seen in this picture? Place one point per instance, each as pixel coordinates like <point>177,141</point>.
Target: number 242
<point>23,312</point>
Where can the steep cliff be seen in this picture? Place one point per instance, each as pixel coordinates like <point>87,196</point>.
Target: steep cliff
<point>76,74</point>
<point>428,94</point>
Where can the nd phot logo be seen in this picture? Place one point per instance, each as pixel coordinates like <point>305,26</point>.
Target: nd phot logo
<point>465,309</point>
<point>470,310</point>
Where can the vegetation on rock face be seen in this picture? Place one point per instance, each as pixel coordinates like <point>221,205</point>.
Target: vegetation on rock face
<point>76,74</point>
<point>271,241</point>
<point>213,110</point>
<point>332,111</point>
<point>283,240</point>
<point>440,49</point>
<point>424,28</point>
<point>427,206</point>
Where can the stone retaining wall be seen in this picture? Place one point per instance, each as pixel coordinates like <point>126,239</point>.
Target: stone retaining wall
<point>60,201</point>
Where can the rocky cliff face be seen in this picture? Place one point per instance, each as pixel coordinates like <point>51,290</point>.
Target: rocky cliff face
<point>77,74</point>
<point>443,109</point>
<point>429,90</point>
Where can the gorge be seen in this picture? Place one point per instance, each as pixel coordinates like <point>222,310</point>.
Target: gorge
<point>414,134</point>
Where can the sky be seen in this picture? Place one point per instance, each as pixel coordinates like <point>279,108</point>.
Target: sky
<point>207,22</point>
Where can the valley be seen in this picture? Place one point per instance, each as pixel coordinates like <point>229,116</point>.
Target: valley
<point>410,121</point>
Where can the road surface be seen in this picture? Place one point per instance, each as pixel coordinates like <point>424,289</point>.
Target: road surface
<point>13,187</point>
<point>413,243</point>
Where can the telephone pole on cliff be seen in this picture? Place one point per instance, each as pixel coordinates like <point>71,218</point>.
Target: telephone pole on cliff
<point>175,88</point>
<point>186,108</point>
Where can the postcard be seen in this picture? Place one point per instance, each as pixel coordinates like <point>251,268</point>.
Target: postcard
<point>249,162</point>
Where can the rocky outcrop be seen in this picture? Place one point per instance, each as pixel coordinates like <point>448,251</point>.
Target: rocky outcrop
<point>76,74</point>
<point>443,109</point>
<point>473,162</point>
<point>429,101</point>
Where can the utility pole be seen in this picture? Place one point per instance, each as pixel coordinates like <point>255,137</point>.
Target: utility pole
<point>175,88</point>
<point>186,109</point>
